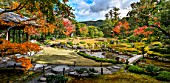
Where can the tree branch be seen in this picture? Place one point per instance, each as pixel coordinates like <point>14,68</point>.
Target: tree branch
<point>163,31</point>
<point>20,6</point>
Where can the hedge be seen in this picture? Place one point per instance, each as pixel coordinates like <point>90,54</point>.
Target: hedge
<point>136,69</point>
<point>164,76</point>
<point>82,42</point>
<point>97,59</point>
<point>70,43</point>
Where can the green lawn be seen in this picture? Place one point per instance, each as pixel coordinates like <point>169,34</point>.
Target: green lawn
<point>61,56</point>
<point>116,78</point>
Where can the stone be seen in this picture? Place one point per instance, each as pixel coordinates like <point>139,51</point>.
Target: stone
<point>120,53</point>
<point>1,59</point>
<point>84,74</point>
<point>105,70</point>
<point>10,63</point>
<point>53,38</point>
<point>74,47</point>
<point>48,67</point>
<point>38,66</point>
<point>74,73</point>
<point>18,64</point>
<point>6,58</point>
<point>116,67</point>
<point>47,74</point>
<point>42,79</point>
<point>58,69</point>
<point>109,68</point>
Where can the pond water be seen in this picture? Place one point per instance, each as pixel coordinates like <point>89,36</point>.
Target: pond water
<point>96,54</point>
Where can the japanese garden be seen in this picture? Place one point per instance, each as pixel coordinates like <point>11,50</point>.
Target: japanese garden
<point>84,41</point>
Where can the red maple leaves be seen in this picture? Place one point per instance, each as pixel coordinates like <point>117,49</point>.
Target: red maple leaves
<point>69,27</point>
<point>142,31</point>
<point>117,28</point>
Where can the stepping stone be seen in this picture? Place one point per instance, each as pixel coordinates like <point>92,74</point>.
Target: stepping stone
<point>47,74</point>
<point>58,69</point>
<point>18,64</point>
<point>74,73</point>
<point>1,59</point>
<point>48,67</point>
<point>38,66</point>
<point>10,63</point>
<point>116,67</point>
<point>105,70</point>
<point>43,79</point>
<point>6,58</point>
<point>84,74</point>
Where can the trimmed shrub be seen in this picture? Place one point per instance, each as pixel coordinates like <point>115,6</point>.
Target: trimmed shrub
<point>164,76</point>
<point>151,68</point>
<point>136,69</point>
<point>82,42</point>
<point>70,43</point>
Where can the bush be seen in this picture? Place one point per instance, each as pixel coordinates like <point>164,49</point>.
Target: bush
<point>164,76</point>
<point>82,42</point>
<point>82,70</point>
<point>46,42</point>
<point>151,68</point>
<point>112,41</point>
<point>56,79</point>
<point>136,69</point>
<point>70,43</point>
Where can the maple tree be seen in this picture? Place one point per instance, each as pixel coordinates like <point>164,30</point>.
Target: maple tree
<point>153,13</point>
<point>69,27</point>
<point>42,12</point>
<point>25,62</point>
<point>12,48</point>
<point>142,31</point>
<point>121,25</point>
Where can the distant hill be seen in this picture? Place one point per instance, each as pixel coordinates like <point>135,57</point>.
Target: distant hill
<point>93,23</point>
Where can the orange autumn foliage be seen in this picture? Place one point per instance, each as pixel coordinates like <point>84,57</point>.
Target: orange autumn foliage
<point>13,48</point>
<point>25,62</point>
<point>142,31</point>
<point>119,25</point>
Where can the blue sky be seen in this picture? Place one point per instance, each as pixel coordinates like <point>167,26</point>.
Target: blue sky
<point>96,9</point>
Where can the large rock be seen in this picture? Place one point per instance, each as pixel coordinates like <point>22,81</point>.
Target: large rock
<point>59,69</point>
<point>47,74</point>
<point>10,63</point>
<point>105,70</point>
<point>43,79</point>
<point>84,75</point>
<point>74,73</point>
<point>1,59</point>
<point>53,38</point>
<point>4,59</point>
<point>38,66</point>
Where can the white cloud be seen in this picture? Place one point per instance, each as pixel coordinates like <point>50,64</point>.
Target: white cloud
<point>98,9</point>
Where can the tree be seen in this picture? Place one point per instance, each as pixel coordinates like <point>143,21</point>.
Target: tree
<point>43,12</point>
<point>115,13</point>
<point>154,13</point>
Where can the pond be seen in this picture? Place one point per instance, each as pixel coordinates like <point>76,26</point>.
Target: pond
<point>96,54</point>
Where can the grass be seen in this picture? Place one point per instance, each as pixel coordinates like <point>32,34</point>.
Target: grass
<point>10,75</point>
<point>116,78</point>
<point>164,65</point>
<point>61,56</point>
